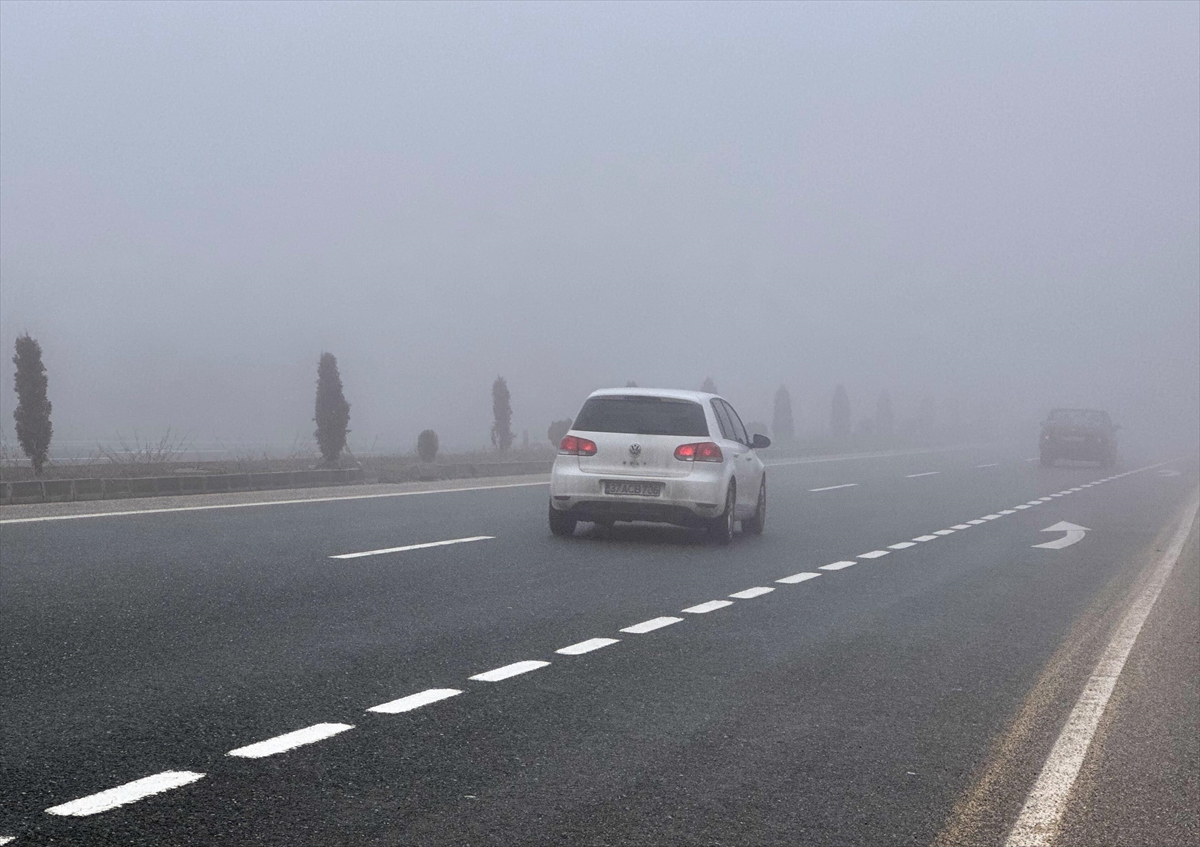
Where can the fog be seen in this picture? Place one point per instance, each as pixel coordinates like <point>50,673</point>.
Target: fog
<point>997,206</point>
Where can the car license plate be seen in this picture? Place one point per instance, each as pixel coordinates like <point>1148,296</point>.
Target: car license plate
<point>638,489</point>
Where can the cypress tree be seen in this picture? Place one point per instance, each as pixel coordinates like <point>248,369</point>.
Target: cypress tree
<point>32,414</point>
<point>502,434</point>
<point>332,410</point>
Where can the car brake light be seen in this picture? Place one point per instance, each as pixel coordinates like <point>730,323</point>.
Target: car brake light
<point>573,445</point>
<point>704,451</point>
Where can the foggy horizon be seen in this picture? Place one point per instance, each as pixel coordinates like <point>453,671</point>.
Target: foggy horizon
<point>993,205</point>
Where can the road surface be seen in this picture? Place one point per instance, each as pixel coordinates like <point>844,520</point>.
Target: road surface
<point>892,662</point>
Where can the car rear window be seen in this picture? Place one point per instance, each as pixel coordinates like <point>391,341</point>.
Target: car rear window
<point>642,416</point>
<point>1079,417</point>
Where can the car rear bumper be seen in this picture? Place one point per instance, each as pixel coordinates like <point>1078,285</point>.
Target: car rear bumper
<point>1088,451</point>
<point>685,501</point>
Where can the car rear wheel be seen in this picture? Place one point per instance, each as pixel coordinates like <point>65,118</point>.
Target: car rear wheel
<point>720,529</point>
<point>561,523</point>
<point>755,525</point>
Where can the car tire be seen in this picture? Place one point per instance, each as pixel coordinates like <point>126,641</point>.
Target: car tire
<point>720,529</point>
<point>561,524</point>
<point>756,524</point>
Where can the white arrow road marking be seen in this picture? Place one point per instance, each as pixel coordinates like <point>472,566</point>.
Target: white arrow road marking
<point>1073,535</point>
<point>93,804</point>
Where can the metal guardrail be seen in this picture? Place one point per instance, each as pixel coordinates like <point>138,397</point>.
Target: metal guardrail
<point>68,490</point>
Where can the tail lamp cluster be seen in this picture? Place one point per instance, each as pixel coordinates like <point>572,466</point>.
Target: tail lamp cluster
<point>573,445</point>
<point>701,451</point>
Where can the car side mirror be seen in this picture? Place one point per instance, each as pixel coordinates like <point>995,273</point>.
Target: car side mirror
<point>760,442</point>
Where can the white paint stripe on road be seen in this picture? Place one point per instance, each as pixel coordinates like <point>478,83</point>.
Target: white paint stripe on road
<point>424,546</point>
<point>650,625</point>
<point>927,473</point>
<point>976,522</point>
<point>414,701</point>
<point>1007,512</point>
<point>130,792</point>
<point>7,839</point>
<point>798,577</point>
<point>837,566</point>
<point>290,740</point>
<point>515,669</point>
<point>213,506</point>
<point>833,487</point>
<point>587,646</point>
<point>943,532</point>
<point>903,545</point>
<point>961,526</point>
<point>924,538</point>
<point>1023,506</point>
<point>991,465</point>
<point>990,517</point>
<point>751,593</point>
<point>710,606</point>
<point>874,554</point>
<point>1038,822</point>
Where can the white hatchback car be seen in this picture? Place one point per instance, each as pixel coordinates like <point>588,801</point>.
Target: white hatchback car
<point>641,454</point>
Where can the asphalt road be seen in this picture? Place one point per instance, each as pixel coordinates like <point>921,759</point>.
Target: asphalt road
<point>909,698</point>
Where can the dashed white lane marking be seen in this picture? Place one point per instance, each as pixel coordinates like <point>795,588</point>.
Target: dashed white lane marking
<point>407,547</point>
<point>990,517</point>
<point>751,593</point>
<point>991,465</point>
<point>710,606</point>
<point>587,646</point>
<point>976,522</point>
<point>414,701</point>
<point>836,566</point>
<point>1023,506</point>
<point>961,526</point>
<point>290,740</point>
<point>1042,500</point>
<point>1059,494</point>
<point>927,473</point>
<point>651,625</point>
<point>212,506</point>
<point>902,545</point>
<point>943,532</point>
<point>130,792</point>
<point>1038,822</point>
<point>924,538</point>
<point>1076,489</point>
<point>833,487</point>
<point>5,839</point>
<point>1006,512</point>
<point>798,577</point>
<point>874,554</point>
<point>515,669</point>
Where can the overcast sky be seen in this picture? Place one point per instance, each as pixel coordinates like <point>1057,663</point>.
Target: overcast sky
<point>983,203</point>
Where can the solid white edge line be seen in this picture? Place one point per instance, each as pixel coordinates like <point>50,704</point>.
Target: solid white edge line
<point>651,625</point>
<point>587,646</point>
<point>290,740</point>
<point>1037,824</point>
<point>414,701</point>
<point>837,566</point>
<point>751,593</point>
<point>832,487</point>
<point>509,671</point>
<point>798,577</point>
<point>214,506</point>
<point>425,546</point>
<point>710,606</point>
<point>130,792</point>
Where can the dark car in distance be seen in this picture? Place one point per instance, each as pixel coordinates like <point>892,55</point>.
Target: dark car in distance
<point>1086,435</point>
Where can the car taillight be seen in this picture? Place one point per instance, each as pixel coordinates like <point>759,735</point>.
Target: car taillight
<point>703,451</point>
<point>573,445</point>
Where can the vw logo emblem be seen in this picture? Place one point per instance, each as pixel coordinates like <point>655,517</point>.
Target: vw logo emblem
<point>635,450</point>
